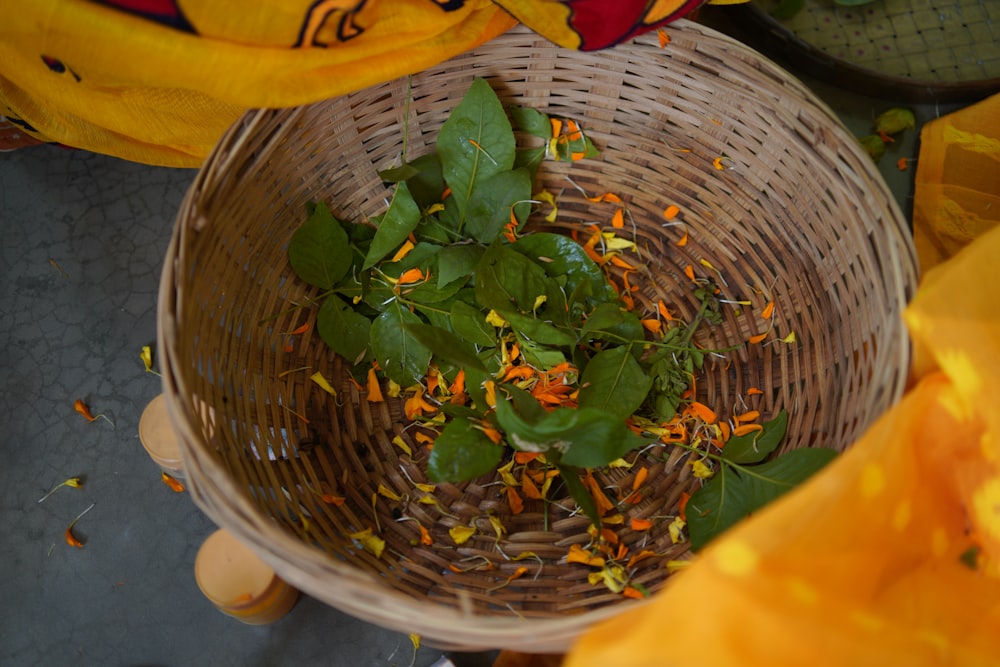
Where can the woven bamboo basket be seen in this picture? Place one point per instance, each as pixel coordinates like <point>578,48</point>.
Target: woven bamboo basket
<point>799,213</point>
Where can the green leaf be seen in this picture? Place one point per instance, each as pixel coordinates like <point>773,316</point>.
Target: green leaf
<point>445,345</point>
<point>525,404</point>
<point>428,185</point>
<point>628,330</point>
<point>584,437</point>
<point>346,331</point>
<point>399,220</point>
<point>470,323</point>
<point>873,145</point>
<point>530,159</point>
<point>474,381</point>
<point>713,508</point>
<point>538,330</point>
<point>397,174</point>
<point>579,492</point>
<point>559,256</point>
<point>754,447</point>
<point>319,251</point>
<point>475,143</point>
<point>614,382</point>
<point>402,357</point>
<point>461,452</point>
<point>604,317</point>
<point>599,439</point>
<point>489,211</point>
<point>507,280</point>
<point>772,479</point>
<point>895,120</point>
<point>737,491</point>
<point>538,355</point>
<point>531,121</point>
<point>458,261</point>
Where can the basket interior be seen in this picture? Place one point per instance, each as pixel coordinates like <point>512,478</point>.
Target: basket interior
<point>798,216</point>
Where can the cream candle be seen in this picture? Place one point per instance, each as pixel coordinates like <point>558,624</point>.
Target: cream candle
<point>239,583</point>
<point>159,438</point>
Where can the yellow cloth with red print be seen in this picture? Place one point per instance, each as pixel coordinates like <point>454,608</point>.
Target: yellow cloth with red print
<point>159,81</point>
<point>889,556</point>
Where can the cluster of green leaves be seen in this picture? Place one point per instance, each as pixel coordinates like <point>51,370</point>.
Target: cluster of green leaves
<point>555,300</point>
<point>745,482</point>
<point>473,284</point>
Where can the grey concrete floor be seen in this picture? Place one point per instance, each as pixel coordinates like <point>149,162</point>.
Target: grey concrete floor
<point>82,240</point>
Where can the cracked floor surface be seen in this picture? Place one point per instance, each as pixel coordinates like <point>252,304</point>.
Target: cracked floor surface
<point>83,240</point>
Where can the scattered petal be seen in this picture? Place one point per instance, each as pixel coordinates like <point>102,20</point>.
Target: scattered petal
<point>318,378</point>
<point>147,359</point>
<point>404,250</point>
<point>638,524</point>
<point>71,539</point>
<point>682,505</point>
<point>461,534</point>
<point>72,482</point>
<point>663,37</point>
<point>173,483</point>
<point>577,554</point>
<point>700,469</point>
<point>676,530</point>
<point>703,412</point>
<point>768,310</point>
<point>399,442</point>
<point>370,542</point>
<point>514,500</point>
<point>746,429</point>
<point>411,276</point>
<point>618,219</point>
<point>374,388</point>
<point>671,212</point>
<point>386,492</point>
<point>753,340</point>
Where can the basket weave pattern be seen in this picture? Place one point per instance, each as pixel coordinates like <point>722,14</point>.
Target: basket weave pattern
<point>799,214</point>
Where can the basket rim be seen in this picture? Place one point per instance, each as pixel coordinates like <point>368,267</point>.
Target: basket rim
<point>421,616</point>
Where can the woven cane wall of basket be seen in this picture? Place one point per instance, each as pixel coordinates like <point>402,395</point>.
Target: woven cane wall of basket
<point>800,213</point>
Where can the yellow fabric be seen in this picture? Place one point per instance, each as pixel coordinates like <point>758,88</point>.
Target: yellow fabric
<point>862,565</point>
<point>159,81</point>
<point>957,192</point>
<point>148,92</point>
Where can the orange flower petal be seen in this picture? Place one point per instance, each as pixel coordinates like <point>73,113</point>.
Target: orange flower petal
<point>702,411</point>
<point>638,524</point>
<point>374,388</point>
<point>618,219</point>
